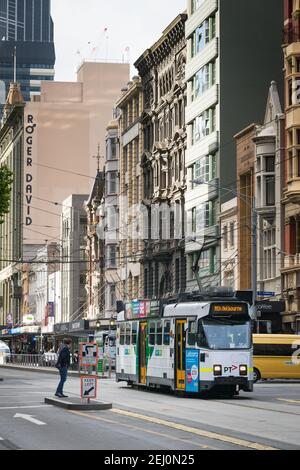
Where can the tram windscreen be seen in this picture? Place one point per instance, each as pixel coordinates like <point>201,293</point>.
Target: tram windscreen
<point>224,334</point>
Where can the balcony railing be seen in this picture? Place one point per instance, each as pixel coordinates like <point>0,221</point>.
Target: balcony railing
<point>292,261</point>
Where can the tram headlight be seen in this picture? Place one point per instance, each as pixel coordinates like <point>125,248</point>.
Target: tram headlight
<point>243,369</point>
<point>217,370</point>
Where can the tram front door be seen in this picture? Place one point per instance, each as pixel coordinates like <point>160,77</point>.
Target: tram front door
<point>142,348</point>
<point>180,354</point>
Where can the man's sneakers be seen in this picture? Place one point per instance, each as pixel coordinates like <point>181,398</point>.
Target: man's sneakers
<point>61,395</point>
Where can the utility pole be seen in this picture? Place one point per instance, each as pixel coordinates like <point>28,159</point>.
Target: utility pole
<point>254,251</point>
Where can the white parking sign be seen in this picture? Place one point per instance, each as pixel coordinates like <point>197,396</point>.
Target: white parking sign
<point>88,354</point>
<point>88,387</point>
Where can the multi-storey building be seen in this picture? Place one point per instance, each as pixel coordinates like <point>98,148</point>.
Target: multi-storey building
<point>26,30</point>
<point>11,230</point>
<point>110,207</point>
<point>229,244</point>
<point>268,177</point>
<point>162,68</point>
<point>260,161</point>
<point>73,257</point>
<point>291,193</point>
<point>48,144</point>
<point>131,191</point>
<point>225,57</point>
<point>95,250</point>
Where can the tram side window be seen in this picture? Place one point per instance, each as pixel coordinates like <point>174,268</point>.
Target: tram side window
<point>192,333</point>
<point>152,333</point>
<point>122,334</point>
<point>159,333</point>
<point>134,332</point>
<point>167,328</point>
<point>201,337</point>
<point>128,334</point>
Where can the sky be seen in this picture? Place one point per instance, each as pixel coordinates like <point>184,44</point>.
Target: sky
<point>107,29</point>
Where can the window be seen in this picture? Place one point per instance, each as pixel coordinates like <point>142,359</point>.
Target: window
<point>231,234</point>
<point>196,4</point>
<point>111,253</point>
<point>112,179</point>
<point>113,146</point>
<point>177,275</point>
<point>225,237</point>
<point>269,253</point>
<point>270,191</point>
<point>203,125</point>
<point>167,328</point>
<point>203,35</point>
<point>270,164</point>
<point>192,333</point>
<point>201,170</point>
<point>112,293</point>
<point>159,333</point>
<point>152,333</point>
<point>134,332</point>
<point>281,350</point>
<point>122,334</point>
<point>128,334</point>
<point>125,158</point>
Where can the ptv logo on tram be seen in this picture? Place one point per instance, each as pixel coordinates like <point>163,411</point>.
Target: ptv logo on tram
<point>230,369</point>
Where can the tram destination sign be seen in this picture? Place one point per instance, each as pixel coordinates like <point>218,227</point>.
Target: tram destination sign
<point>229,308</point>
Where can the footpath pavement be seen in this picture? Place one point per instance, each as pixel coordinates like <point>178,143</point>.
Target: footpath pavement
<point>52,370</point>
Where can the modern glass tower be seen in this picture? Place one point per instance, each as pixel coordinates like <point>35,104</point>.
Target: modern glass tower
<point>26,28</point>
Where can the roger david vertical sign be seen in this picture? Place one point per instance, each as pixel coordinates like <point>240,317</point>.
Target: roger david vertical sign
<point>192,370</point>
<point>30,129</point>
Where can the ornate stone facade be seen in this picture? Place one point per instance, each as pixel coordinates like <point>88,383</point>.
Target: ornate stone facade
<point>162,70</point>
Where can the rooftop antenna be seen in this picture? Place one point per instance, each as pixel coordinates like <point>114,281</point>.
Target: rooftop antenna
<point>98,156</point>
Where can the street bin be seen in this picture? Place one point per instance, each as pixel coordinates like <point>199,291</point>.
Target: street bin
<point>100,365</point>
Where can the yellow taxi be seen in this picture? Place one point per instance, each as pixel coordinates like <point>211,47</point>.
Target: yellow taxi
<point>276,357</point>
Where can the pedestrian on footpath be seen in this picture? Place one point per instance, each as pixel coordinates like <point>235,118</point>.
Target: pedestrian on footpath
<point>63,363</point>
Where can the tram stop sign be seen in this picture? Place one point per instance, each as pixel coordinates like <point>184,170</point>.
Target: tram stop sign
<point>88,354</point>
<point>88,387</point>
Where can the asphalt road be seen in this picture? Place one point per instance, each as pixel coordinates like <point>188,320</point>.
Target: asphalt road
<point>269,418</point>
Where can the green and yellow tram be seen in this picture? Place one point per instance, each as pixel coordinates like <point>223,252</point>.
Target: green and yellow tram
<point>193,345</point>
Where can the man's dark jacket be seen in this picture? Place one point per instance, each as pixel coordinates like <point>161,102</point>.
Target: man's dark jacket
<point>63,358</point>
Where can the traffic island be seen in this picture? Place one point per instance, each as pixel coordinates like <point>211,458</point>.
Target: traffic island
<point>74,403</point>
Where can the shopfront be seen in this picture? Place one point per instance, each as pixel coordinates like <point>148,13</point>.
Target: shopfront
<point>78,331</point>
<point>269,316</point>
<point>22,339</point>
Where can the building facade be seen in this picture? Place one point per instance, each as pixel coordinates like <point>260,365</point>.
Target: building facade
<point>95,250</point>
<point>73,257</point>
<point>26,29</point>
<point>224,95</point>
<point>162,70</point>
<point>11,230</point>
<point>110,208</point>
<point>291,192</point>
<point>268,174</point>
<point>229,244</point>
<point>130,105</point>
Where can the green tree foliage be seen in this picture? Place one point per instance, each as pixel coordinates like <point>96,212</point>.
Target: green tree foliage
<point>6,180</point>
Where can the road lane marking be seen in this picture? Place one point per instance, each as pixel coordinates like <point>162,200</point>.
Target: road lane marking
<point>30,418</point>
<point>132,426</point>
<point>196,431</point>
<point>289,401</point>
<point>18,407</point>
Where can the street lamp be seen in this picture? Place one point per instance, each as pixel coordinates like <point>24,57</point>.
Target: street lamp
<point>253,231</point>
